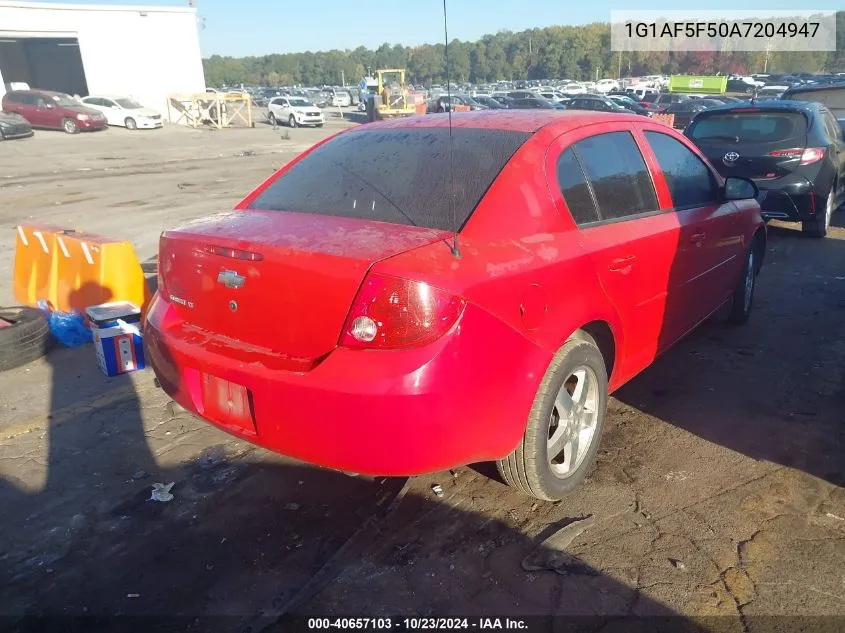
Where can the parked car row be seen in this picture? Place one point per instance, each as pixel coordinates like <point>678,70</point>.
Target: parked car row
<point>24,110</point>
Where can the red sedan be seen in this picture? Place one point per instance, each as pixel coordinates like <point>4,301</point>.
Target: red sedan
<point>405,297</point>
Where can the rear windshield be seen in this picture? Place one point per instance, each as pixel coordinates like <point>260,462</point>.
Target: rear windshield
<point>750,127</point>
<point>402,176</point>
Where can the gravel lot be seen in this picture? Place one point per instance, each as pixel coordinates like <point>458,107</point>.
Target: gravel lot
<point>718,491</point>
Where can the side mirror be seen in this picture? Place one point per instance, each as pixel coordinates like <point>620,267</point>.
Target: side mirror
<point>740,189</point>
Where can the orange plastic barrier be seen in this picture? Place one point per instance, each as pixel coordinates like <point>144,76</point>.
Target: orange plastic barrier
<point>421,108</point>
<point>34,276</point>
<point>73,270</point>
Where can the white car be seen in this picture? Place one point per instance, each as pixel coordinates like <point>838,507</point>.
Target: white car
<point>124,112</point>
<point>575,89</point>
<point>294,111</point>
<point>606,85</point>
<point>341,99</point>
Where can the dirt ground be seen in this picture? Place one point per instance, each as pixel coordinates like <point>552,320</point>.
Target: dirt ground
<point>718,491</point>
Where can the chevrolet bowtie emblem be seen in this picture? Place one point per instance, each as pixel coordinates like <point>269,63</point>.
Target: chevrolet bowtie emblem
<point>231,279</point>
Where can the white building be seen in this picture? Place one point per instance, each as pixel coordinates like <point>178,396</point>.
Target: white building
<point>141,52</point>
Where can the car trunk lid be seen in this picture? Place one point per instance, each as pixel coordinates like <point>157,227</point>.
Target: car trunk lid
<point>752,142</point>
<point>278,281</point>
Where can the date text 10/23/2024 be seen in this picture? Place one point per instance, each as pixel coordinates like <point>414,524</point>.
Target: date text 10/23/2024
<point>417,624</point>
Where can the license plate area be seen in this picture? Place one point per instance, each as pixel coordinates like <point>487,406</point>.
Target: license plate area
<point>229,404</point>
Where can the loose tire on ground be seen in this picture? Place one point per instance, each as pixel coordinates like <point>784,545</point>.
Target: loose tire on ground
<point>530,468</point>
<point>26,340</point>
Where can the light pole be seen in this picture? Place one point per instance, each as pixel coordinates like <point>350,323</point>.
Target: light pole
<point>766,61</point>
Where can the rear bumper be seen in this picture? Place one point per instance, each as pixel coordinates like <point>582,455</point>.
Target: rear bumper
<point>463,399</point>
<point>789,199</point>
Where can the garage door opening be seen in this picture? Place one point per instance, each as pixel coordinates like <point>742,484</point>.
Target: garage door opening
<point>45,63</point>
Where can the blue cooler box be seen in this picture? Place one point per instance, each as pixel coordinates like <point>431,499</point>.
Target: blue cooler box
<point>116,328</point>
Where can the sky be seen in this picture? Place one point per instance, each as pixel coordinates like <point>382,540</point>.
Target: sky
<point>258,27</point>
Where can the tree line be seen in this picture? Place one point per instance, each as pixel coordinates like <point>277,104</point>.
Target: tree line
<point>581,53</point>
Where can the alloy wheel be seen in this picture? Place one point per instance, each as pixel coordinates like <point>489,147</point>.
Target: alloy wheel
<point>573,422</point>
<point>749,282</point>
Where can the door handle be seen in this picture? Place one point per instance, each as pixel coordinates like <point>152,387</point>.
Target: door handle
<point>697,238</point>
<point>622,264</point>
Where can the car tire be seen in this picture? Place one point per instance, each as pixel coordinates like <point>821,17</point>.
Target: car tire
<point>70,126</point>
<point>743,296</point>
<point>26,340</point>
<point>130,124</point>
<point>319,125</point>
<point>819,226</point>
<point>530,468</point>
<point>292,121</point>
<point>272,118</point>
<point>2,136</point>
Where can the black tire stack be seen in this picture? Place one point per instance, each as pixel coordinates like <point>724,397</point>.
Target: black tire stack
<point>26,339</point>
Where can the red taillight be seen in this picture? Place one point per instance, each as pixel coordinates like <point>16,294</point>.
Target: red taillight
<point>234,253</point>
<point>808,156</point>
<point>394,313</point>
<point>812,155</point>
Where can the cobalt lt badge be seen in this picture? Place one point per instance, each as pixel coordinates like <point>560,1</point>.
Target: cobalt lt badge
<point>730,158</point>
<point>231,279</point>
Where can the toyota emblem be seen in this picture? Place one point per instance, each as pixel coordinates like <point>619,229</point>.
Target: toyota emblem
<point>731,157</point>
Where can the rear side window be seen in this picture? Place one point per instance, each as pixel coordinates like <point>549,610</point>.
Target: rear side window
<point>618,174</point>
<point>20,97</point>
<point>784,128</point>
<point>574,189</point>
<point>400,175</point>
<point>690,182</point>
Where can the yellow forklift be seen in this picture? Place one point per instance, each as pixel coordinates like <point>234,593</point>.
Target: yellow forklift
<point>391,98</point>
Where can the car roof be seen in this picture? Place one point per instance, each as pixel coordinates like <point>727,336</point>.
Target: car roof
<point>529,121</point>
<point>801,89</point>
<point>776,104</point>
<point>36,91</point>
<point>100,95</point>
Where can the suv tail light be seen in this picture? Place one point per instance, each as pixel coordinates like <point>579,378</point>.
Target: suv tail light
<point>808,156</point>
<point>394,313</point>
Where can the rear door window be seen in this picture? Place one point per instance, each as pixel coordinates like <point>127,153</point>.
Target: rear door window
<point>690,182</point>
<point>401,175</point>
<point>24,98</point>
<point>618,175</point>
<point>575,190</point>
